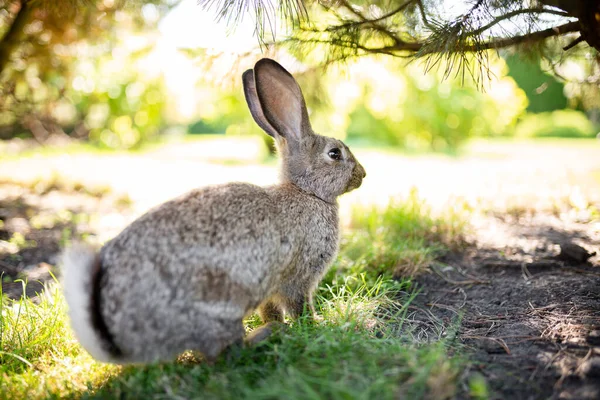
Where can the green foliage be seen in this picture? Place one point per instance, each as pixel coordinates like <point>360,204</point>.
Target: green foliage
<point>308,363</point>
<point>206,127</point>
<point>39,358</point>
<point>544,91</point>
<point>439,118</point>
<point>400,240</point>
<point>19,241</point>
<point>51,81</point>
<point>560,123</point>
<point>78,67</point>
<point>478,388</point>
<point>404,107</point>
<point>456,35</point>
<point>123,114</point>
<point>380,130</point>
<point>231,116</point>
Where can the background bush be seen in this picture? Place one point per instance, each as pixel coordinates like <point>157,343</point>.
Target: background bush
<point>559,123</point>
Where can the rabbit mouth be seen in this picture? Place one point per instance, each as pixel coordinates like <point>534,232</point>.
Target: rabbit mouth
<point>354,183</point>
<point>357,177</point>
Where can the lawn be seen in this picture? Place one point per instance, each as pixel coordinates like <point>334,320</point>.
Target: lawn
<point>389,328</point>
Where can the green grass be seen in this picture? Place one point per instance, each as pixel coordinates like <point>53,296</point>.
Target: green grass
<point>39,357</point>
<point>359,347</point>
<point>401,240</point>
<point>354,353</point>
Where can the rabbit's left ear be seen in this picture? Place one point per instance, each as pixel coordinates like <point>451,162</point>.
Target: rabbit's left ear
<point>281,100</point>
<point>254,103</point>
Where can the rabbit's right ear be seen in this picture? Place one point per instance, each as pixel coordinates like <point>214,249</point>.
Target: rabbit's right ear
<point>254,103</point>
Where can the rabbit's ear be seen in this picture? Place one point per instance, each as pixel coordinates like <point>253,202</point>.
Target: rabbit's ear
<point>281,100</point>
<point>254,103</point>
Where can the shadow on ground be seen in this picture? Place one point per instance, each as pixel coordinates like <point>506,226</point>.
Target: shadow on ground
<point>36,221</point>
<point>529,317</point>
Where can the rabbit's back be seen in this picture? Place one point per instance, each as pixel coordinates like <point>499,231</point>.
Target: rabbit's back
<point>230,226</point>
<point>187,272</point>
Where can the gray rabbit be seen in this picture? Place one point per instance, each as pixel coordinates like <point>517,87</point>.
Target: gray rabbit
<point>184,275</point>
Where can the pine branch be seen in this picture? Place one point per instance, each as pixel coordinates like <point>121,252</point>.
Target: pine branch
<point>528,37</point>
<point>417,46</point>
<point>265,12</point>
<point>512,14</point>
<point>424,17</point>
<point>364,20</point>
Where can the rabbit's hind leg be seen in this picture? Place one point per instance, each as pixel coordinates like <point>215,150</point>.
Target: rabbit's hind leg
<point>263,332</point>
<point>223,334</point>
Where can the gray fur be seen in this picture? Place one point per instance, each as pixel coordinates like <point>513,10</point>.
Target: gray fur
<point>184,275</point>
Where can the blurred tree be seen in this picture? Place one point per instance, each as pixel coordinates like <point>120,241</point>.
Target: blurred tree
<point>426,112</point>
<point>544,91</point>
<point>42,43</point>
<point>32,28</point>
<point>558,123</point>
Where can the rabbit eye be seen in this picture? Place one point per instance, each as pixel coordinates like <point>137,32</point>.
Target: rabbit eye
<point>335,154</point>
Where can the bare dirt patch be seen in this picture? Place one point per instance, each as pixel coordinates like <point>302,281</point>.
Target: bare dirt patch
<point>528,316</point>
<point>36,221</point>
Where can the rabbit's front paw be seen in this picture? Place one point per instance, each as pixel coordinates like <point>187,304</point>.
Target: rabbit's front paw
<point>270,311</point>
<point>300,307</point>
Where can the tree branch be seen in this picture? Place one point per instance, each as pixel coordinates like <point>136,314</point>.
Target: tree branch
<point>493,43</point>
<point>10,40</point>
<point>529,37</point>
<point>514,14</point>
<point>426,22</point>
<point>574,43</point>
<point>373,24</point>
<point>365,20</point>
<point>416,46</point>
<point>394,12</point>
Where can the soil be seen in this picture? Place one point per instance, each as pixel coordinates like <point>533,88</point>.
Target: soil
<point>527,315</point>
<point>36,221</point>
<point>527,318</point>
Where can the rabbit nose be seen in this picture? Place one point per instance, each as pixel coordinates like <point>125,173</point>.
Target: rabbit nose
<point>362,171</point>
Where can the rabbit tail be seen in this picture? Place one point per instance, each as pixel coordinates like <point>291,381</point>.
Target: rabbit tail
<point>82,273</point>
